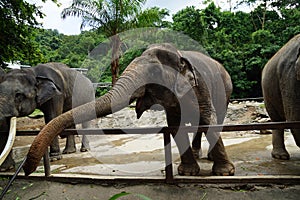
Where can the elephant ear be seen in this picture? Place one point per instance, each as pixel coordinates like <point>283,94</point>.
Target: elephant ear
<point>46,89</point>
<point>186,78</point>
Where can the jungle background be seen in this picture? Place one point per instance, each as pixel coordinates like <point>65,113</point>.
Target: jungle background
<point>242,41</point>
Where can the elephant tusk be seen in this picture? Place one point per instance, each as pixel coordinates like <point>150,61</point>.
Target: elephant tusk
<point>10,139</point>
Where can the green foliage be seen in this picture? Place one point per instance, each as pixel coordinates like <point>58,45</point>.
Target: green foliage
<point>190,22</point>
<point>112,17</point>
<point>17,23</point>
<point>242,42</point>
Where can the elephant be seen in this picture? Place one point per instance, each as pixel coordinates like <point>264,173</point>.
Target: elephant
<point>190,86</point>
<point>53,88</point>
<point>280,87</point>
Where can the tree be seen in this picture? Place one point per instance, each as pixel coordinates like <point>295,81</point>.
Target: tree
<point>190,22</point>
<point>17,25</point>
<point>112,17</point>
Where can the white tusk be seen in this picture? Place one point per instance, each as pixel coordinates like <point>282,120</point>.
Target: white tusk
<point>10,139</point>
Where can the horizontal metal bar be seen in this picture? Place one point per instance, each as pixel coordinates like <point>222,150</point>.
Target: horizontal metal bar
<point>184,129</point>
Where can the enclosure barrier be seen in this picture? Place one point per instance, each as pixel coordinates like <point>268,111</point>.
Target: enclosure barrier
<point>166,131</point>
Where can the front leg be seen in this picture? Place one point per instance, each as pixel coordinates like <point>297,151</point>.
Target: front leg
<point>222,165</point>
<point>188,165</point>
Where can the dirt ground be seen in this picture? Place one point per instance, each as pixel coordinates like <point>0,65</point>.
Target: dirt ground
<point>28,189</point>
<point>251,158</point>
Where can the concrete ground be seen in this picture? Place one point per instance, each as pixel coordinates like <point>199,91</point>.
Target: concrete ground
<point>28,189</point>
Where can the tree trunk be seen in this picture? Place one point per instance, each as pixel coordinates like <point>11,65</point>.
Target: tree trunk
<point>116,43</point>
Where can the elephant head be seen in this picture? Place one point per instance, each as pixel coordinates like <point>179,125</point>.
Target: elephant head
<point>161,75</point>
<point>21,91</point>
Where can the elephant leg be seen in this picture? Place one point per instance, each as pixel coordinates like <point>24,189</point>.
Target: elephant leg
<point>188,165</point>
<point>70,144</point>
<point>84,141</point>
<point>55,150</point>
<point>52,109</point>
<point>222,165</point>
<point>8,163</point>
<point>279,151</point>
<point>196,145</point>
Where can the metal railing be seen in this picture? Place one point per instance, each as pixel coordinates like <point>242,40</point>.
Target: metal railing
<point>166,131</point>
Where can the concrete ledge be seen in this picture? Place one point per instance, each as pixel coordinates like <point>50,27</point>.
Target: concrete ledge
<point>97,179</point>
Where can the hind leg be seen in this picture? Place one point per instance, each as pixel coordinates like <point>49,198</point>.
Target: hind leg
<point>279,151</point>
<point>196,145</point>
<point>277,114</point>
<point>85,142</point>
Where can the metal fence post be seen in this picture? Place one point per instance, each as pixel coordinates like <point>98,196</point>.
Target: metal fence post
<point>168,158</point>
<point>46,164</point>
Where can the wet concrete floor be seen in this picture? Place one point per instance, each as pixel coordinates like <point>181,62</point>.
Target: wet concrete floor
<point>143,155</point>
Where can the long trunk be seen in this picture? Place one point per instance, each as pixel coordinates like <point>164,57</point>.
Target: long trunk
<point>114,100</point>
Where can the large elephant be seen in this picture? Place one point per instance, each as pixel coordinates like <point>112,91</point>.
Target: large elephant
<point>189,85</point>
<point>281,91</point>
<point>54,88</point>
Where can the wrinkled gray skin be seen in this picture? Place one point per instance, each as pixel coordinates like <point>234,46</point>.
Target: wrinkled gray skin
<point>281,91</point>
<point>161,75</point>
<point>50,88</point>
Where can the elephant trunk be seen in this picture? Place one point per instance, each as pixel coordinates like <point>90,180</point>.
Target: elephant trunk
<point>125,91</point>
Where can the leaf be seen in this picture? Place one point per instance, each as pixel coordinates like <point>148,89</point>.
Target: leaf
<point>116,196</point>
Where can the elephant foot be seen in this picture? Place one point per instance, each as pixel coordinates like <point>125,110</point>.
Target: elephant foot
<point>280,153</point>
<point>84,149</point>
<point>223,169</point>
<point>188,169</point>
<point>55,156</point>
<point>69,150</point>
<point>196,153</point>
